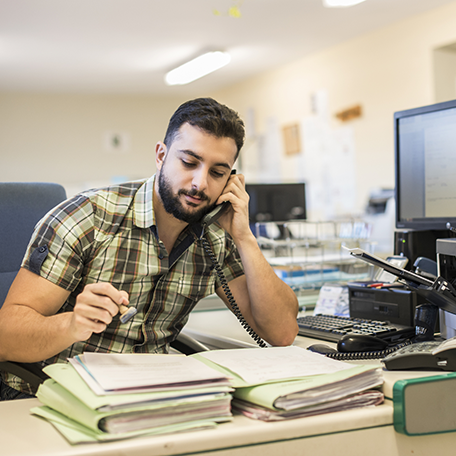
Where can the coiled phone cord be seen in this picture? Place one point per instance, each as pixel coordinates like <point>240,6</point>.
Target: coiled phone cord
<point>231,300</point>
<point>376,354</point>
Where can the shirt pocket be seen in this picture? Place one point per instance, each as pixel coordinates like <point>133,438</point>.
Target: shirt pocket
<point>196,287</point>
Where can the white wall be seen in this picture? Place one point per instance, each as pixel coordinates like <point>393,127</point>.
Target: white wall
<point>61,138</point>
<point>445,73</point>
<point>384,71</point>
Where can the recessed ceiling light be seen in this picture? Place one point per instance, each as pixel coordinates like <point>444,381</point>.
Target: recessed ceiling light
<point>197,68</point>
<point>340,3</point>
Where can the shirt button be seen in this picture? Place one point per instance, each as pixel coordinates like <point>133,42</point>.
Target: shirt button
<point>160,256</point>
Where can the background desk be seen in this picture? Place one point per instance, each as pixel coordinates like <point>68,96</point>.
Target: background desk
<point>362,432</point>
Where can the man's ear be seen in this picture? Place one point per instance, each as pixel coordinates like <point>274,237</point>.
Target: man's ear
<point>160,154</point>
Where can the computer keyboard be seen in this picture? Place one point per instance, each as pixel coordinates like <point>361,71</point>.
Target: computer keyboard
<point>332,328</point>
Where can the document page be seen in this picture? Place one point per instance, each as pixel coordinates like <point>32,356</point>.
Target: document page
<point>259,365</point>
<point>122,371</point>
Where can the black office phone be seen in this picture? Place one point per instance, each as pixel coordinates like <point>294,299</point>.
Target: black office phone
<point>429,355</point>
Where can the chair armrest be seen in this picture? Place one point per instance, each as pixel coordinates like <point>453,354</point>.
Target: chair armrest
<point>187,345</point>
<point>32,373</point>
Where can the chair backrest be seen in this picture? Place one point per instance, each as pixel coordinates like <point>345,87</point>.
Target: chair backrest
<point>22,205</point>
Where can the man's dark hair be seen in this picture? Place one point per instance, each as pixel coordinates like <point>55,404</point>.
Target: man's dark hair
<point>210,116</point>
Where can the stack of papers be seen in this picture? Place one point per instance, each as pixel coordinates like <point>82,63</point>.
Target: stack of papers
<point>113,396</point>
<point>290,382</point>
<point>101,397</point>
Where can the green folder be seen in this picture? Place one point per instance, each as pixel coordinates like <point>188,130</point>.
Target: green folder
<point>305,391</point>
<point>67,376</point>
<point>80,415</point>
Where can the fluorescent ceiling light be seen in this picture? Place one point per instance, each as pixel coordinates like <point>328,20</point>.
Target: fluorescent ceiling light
<point>340,3</point>
<point>197,68</point>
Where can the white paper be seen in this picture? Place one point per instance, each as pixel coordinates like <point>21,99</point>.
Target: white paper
<point>118,371</point>
<point>259,365</point>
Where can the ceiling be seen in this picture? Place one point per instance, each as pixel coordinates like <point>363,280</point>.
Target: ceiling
<point>127,46</point>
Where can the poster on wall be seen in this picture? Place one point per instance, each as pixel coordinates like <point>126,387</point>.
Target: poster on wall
<point>327,165</point>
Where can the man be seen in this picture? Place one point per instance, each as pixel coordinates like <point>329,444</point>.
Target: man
<point>138,244</point>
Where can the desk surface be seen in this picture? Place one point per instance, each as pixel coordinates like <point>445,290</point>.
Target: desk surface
<point>24,434</point>
<point>367,431</point>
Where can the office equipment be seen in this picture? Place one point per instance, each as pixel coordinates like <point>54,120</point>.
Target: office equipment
<point>394,304</point>
<point>438,292</point>
<point>383,276</point>
<point>446,267</point>
<point>414,244</point>
<point>276,202</point>
<point>334,328</point>
<point>425,147</point>
<point>428,355</point>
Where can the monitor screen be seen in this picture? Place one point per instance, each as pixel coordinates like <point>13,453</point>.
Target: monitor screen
<point>276,202</point>
<point>425,149</point>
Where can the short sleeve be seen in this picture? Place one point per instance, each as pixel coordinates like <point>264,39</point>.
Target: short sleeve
<point>232,265</point>
<point>61,242</point>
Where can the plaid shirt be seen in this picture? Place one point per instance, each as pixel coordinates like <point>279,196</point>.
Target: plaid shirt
<point>109,235</point>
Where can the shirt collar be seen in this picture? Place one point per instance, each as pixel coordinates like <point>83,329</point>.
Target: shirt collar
<point>143,207</point>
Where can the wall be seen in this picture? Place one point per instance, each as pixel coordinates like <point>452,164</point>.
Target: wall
<point>384,71</point>
<point>445,73</point>
<point>61,137</point>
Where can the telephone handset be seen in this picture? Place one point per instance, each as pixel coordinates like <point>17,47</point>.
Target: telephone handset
<point>207,220</point>
<point>215,214</point>
<point>358,347</point>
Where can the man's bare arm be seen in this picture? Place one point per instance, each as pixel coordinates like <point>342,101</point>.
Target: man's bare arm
<point>31,330</point>
<point>266,302</point>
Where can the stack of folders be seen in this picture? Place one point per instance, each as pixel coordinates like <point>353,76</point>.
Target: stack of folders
<point>289,382</point>
<point>103,397</point>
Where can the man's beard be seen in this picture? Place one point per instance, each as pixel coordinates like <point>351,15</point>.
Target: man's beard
<point>173,204</point>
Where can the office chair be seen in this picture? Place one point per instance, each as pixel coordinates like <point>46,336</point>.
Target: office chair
<point>22,205</point>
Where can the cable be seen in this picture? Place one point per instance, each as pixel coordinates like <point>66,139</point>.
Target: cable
<point>376,354</point>
<point>231,300</point>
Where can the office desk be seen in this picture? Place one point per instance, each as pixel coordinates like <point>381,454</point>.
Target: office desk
<point>362,432</point>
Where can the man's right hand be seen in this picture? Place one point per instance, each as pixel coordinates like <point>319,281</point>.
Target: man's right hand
<point>32,329</point>
<point>95,307</point>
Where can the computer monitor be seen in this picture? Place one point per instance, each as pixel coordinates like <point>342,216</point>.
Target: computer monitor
<point>425,153</point>
<point>276,202</point>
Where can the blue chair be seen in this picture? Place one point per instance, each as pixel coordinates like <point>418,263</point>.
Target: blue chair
<point>22,205</point>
